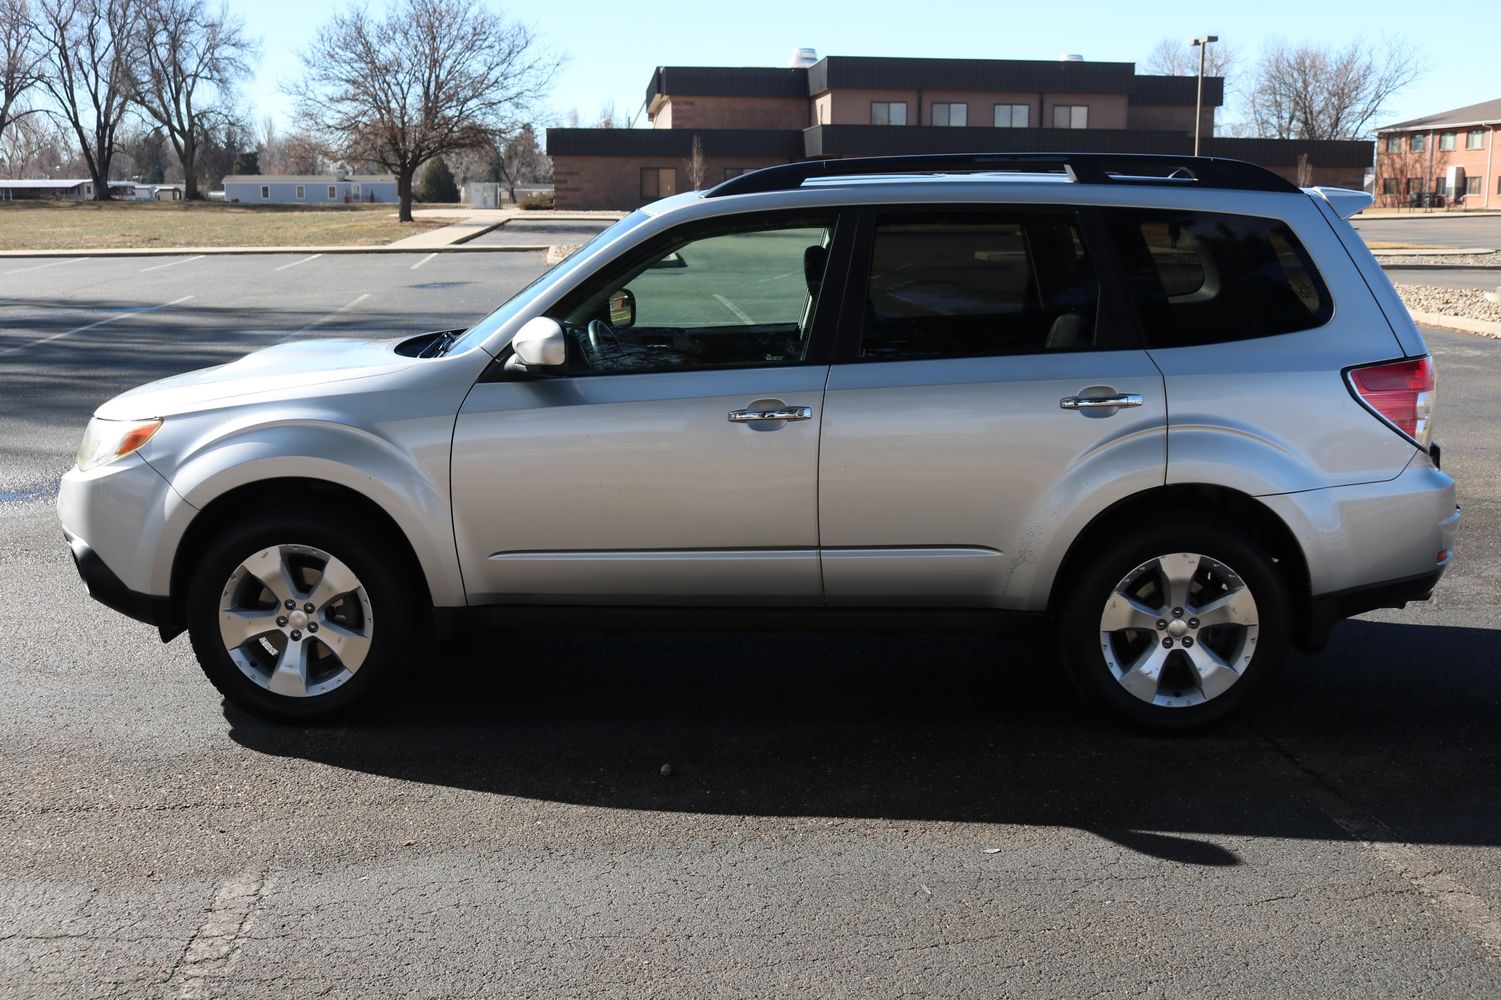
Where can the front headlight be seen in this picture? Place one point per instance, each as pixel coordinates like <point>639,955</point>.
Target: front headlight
<point>106,440</point>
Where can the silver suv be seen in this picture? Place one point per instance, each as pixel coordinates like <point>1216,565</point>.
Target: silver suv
<point>1170,405</point>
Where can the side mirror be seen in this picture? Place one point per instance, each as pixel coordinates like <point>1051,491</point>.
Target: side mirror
<point>622,308</point>
<point>540,344</point>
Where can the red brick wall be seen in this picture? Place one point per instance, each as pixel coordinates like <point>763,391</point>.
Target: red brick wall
<point>1432,164</point>
<point>614,182</point>
<point>734,112</point>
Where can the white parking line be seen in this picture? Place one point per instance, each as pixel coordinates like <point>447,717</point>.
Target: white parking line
<point>424,260</point>
<point>173,263</point>
<point>89,326</point>
<point>296,262</point>
<point>324,319</point>
<point>740,314</point>
<point>55,263</point>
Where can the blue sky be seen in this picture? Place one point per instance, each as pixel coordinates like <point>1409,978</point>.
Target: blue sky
<point>612,47</point>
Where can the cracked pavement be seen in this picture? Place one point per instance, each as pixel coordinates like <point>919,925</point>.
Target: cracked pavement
<point>847,815</point>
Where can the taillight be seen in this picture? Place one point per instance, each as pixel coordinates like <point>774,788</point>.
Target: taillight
<point>1401,393</point>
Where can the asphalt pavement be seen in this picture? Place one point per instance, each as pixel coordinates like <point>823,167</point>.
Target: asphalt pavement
<point>845,815</point>
<point>1433,229</point>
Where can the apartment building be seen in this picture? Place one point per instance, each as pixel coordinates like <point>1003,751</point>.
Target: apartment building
<point>1445,160</point>
<point>743,118</point>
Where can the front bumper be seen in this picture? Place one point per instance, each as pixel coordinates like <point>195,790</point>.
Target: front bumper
<point>108,589</point>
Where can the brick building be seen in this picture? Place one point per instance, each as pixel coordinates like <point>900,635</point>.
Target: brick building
<point>748,117</point>
<point>1446,160</point>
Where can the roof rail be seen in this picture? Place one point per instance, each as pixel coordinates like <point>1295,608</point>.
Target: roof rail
<point>1081,168</point>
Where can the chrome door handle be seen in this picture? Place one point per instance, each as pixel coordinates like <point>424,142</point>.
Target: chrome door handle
<point>781,413</point>
<point>1100,402</point>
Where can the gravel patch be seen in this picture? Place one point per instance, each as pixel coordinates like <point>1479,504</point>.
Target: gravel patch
<point>1466,302</point>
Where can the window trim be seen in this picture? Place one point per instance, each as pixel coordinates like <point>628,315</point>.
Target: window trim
<point>1116,324</point>
<point>826,317</point>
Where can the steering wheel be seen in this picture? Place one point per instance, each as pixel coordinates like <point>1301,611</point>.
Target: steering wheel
<point>600,343</point>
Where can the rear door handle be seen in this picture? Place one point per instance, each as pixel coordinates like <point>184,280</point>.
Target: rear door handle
<point>780,413</point>
<point>1118,401</point>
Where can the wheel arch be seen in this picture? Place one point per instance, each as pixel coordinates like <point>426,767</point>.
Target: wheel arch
<point>243,500</point>
<point>1264,526</point>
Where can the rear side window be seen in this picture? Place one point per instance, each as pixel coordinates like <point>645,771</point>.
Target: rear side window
<point>1207,278</point>
<point>949,286</point>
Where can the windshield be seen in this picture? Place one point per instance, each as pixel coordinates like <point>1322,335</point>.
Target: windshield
<point>481,331</point>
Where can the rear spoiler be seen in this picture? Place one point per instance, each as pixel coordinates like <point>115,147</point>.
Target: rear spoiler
<point>1344,201</point>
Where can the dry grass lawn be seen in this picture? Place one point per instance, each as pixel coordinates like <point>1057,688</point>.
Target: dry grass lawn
<point>62,225</point>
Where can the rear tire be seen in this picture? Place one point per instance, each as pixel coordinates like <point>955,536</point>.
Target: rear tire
<point>300,617</point>
<point>1176,626</point>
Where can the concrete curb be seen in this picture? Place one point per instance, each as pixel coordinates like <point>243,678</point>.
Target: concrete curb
<point>249,251</point>
<point>1464,324</point>
<point>1404,266</point>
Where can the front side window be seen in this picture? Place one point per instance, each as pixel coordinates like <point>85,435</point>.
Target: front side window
<point>888,112</point>
<point>1446,140</point>
<point>1475,139</point>
<point>1071,116</point>
<point>739,296</point>
<point>968,285</point>
<point>1011,115</point>
<point>951,114</point>
<point>1205,278</point>
<point>1417,143</point>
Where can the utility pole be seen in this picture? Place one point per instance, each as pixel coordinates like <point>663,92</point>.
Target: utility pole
<point>1202,42</point>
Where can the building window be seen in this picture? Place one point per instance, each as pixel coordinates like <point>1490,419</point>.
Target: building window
<point>333,192</point>
<point>1071,116</point>
<point>1394,143</point>
<point>1417,142</point>
<point>1474,185</point>
<point>951,114</point>
<point>658,182</point>
<point>301,193</point>
<point>888,112</point>
<point>1012,115</point>
<point>1475,139</point>
<point>1389,185</point>
<point>265,192</point>
<point>1446,140</point>
<point>1414,185</point>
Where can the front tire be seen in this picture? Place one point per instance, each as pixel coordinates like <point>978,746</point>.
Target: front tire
<point>298,618</point>
<point>1176,626</point>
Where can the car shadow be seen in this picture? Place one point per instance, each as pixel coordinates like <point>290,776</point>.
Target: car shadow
<point>937,728</point>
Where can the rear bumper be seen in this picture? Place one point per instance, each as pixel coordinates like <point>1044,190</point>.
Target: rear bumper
<point>1328,610</point>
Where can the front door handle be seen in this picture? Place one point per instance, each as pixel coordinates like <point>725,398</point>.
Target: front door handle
<point>1118,401</point>
<point>780,413</point>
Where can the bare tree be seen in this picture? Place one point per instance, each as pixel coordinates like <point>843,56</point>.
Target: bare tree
<point>190,58</point>
<point>431,77</point>
<point>1173,57</point>
<point>88,50</point>
<point>520,160</point>
<point>1308,92</point>
<point>698,164</point>
<point>33,146</point>
<point>20,60</point>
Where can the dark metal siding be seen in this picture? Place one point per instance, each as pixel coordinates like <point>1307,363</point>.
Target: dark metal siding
<point>727,81</point>
<point>871,73</point>
<point>774,143</point>
<point>1177,90</point>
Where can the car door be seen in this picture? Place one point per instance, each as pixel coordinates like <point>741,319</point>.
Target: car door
<point>674,457</point>
<point>984,393</point>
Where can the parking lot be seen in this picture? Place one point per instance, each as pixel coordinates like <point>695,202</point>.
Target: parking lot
<point>846,815</point>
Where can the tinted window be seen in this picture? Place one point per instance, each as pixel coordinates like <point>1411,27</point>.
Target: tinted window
<point>735,297</point>
<point>972,285</point>
<point>1204,278</point>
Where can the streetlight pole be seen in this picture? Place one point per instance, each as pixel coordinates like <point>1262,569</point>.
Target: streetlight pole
<point>1202,43</point>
